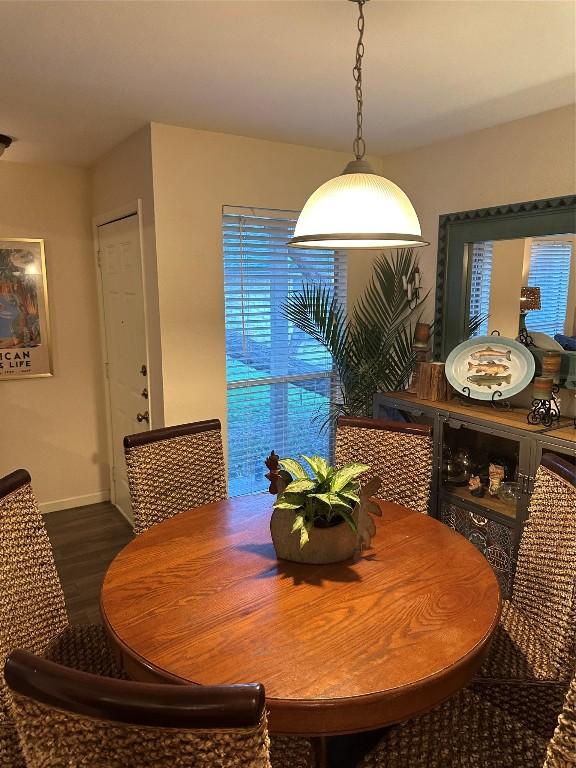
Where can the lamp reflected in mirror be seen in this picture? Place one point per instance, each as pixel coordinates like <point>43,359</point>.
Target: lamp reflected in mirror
<point>510,278</point>
<point>529,301</point>
<point>526,288</point>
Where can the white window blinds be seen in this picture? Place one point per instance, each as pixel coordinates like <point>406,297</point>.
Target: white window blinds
<point>279,380</point>
<point>481,276</point>
<point>550,262</point>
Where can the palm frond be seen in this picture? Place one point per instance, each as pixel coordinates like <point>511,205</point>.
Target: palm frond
<point>317,312</point>
<point>373,349</point>
<point>385,302</point>
<point>475,322</point>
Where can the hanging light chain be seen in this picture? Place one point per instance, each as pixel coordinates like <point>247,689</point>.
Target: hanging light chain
<point>359,145</point>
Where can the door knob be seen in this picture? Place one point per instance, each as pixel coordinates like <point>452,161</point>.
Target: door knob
<point>144,393</point>
<point>143,417</point>
<point>144,370</point>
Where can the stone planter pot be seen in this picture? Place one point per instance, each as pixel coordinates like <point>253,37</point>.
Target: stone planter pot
<point>326,545</point>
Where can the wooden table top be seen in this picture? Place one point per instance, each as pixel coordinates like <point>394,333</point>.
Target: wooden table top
<point>339,648</point>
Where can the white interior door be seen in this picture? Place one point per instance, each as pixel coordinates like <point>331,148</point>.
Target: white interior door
<point>120,263</point>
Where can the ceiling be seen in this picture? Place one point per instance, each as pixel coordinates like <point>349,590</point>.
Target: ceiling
<point>78,77</point>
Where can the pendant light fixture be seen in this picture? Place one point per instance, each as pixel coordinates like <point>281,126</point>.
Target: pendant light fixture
<point>360,208</point>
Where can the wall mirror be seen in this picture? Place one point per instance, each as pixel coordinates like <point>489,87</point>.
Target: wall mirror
<point>512,266</point>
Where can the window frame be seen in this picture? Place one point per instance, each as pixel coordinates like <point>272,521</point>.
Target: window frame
<point>285,221</point>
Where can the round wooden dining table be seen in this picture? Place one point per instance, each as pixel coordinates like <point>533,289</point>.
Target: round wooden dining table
<point>343,648</point>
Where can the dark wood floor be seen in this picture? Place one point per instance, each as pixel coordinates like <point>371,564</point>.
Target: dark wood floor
<point>85,541</point>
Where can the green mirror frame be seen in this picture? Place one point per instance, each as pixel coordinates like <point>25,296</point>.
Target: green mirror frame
<point>456,233</point>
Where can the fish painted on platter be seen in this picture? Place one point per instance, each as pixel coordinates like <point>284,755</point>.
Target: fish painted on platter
<point>489,367</point>
<point>489,353</point>
<point>486,380</point>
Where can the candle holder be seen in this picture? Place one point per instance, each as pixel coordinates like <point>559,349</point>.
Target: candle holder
<point>551,364</point>
<point>421,342</point>
<point>412,284</point>
<point>529,301</point>
<point>525,338</point>
<point>545,411</point>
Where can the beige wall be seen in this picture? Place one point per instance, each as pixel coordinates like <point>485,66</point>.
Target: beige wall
<point>119,179</point>
<point>183,178</point>
<point>195,174</point>
<point>523,160</point>
<point>505,285</point>
<point>54,427</point>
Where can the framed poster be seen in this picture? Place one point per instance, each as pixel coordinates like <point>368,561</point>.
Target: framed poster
<point>24,324</point>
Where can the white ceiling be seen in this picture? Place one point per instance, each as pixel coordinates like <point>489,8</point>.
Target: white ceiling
<point>78,77</point>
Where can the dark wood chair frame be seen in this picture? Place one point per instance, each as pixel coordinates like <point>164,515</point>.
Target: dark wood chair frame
<point>560,467</point>
<point>145,704</point>
<point>14,481</point>
<point>366,422</point>
<point>168,433</point>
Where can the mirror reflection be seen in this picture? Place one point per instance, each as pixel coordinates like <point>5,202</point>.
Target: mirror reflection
<point>526,289</point>
<point>529,284</point>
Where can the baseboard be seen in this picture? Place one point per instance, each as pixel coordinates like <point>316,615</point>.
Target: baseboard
<point>74,501</point>
<point>128,518</point>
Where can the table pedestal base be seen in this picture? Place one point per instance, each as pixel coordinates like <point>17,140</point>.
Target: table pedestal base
<point>344,751</point>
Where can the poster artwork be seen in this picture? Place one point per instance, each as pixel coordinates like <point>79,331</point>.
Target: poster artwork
<point>24,326</point>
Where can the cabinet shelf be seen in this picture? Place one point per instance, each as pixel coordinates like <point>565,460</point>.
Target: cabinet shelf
<point>515,418</point>
<point>488,502</point>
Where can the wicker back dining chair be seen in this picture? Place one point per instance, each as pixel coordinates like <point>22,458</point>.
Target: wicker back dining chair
<point>32,609</point>
<point>399,453</point>
<point>562,747</point>
<point>73,719</point>
<point>174,469</point>
<point>470,731</point>
<point>537,632</point>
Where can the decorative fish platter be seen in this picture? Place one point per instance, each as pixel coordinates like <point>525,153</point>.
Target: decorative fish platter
<point>487,364</point>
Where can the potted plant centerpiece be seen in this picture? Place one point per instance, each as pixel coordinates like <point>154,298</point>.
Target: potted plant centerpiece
<point>321,514</point>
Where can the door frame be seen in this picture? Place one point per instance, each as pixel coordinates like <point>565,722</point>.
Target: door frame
<point>130,209</point>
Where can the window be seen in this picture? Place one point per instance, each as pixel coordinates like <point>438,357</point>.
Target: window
<point>550,270</point>
<point>551,263</point>
<point>279,380</point>
<point>480,284</point>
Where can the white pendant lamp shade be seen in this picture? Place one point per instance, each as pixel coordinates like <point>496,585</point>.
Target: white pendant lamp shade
<point>358,209</point>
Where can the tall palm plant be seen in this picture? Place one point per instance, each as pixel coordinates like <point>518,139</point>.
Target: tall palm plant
<point>372,348</point>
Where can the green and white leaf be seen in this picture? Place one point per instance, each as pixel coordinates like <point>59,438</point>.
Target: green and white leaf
<point>331,500</point>
<point>299,486</point>
<point>289,501</point>
<point>343,476</point>
<point>295,468</point>
<point>319,466</point>
<point>350,496</point>
<point>298,522</point>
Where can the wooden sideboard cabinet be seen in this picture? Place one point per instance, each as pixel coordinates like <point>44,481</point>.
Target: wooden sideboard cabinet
<point>467,438</point>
